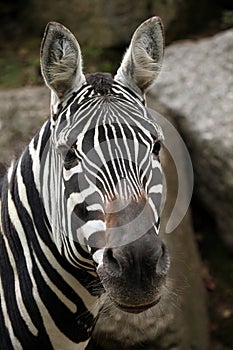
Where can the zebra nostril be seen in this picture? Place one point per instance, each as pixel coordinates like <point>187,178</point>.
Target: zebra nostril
<point>163,262</point>
<point>111,263</point>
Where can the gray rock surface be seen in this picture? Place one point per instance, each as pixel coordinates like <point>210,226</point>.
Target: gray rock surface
<point>196,89</point>
<point>22,112</point>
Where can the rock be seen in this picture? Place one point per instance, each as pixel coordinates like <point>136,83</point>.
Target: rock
<point>22,112</point>
<point>196,88</point>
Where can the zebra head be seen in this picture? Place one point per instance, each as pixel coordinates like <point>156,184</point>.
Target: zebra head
<point>104,190</point>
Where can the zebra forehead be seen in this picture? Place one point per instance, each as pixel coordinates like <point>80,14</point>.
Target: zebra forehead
<point>107,105</point>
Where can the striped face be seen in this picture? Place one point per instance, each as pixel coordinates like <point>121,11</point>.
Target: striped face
<point>107,148</point>
<point>104,181</point>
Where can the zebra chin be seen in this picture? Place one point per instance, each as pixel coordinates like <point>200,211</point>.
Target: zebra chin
<point>128,297</point>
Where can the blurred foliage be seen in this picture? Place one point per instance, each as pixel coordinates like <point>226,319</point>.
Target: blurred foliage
<point>101,60</point>
<point>21,67</point>
<point>20,46</point>
<point>15,72</point>
<point>227,18</point>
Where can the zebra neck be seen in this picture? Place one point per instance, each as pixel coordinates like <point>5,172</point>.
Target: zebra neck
<point>23,216</point>
<point>21,193</point>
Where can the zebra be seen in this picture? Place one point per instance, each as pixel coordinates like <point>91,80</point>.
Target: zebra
<point>80,207</point>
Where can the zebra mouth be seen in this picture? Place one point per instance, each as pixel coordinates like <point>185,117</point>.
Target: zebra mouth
<point>136,309</point>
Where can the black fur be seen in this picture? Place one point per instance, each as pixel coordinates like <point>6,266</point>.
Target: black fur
<point>101,82</point>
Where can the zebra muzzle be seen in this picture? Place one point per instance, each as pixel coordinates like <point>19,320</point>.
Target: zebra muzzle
<point>133,274</point>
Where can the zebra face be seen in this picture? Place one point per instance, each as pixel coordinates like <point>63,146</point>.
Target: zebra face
<point>107,178</point>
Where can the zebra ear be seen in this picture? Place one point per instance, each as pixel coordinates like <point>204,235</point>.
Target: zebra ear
<point>143,59</point>
<point>61,60</point>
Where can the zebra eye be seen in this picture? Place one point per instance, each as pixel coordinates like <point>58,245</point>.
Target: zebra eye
<point>156,148</point>
<point>71,159</point>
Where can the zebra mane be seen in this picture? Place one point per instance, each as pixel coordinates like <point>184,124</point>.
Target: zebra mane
<point>101,82</point>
